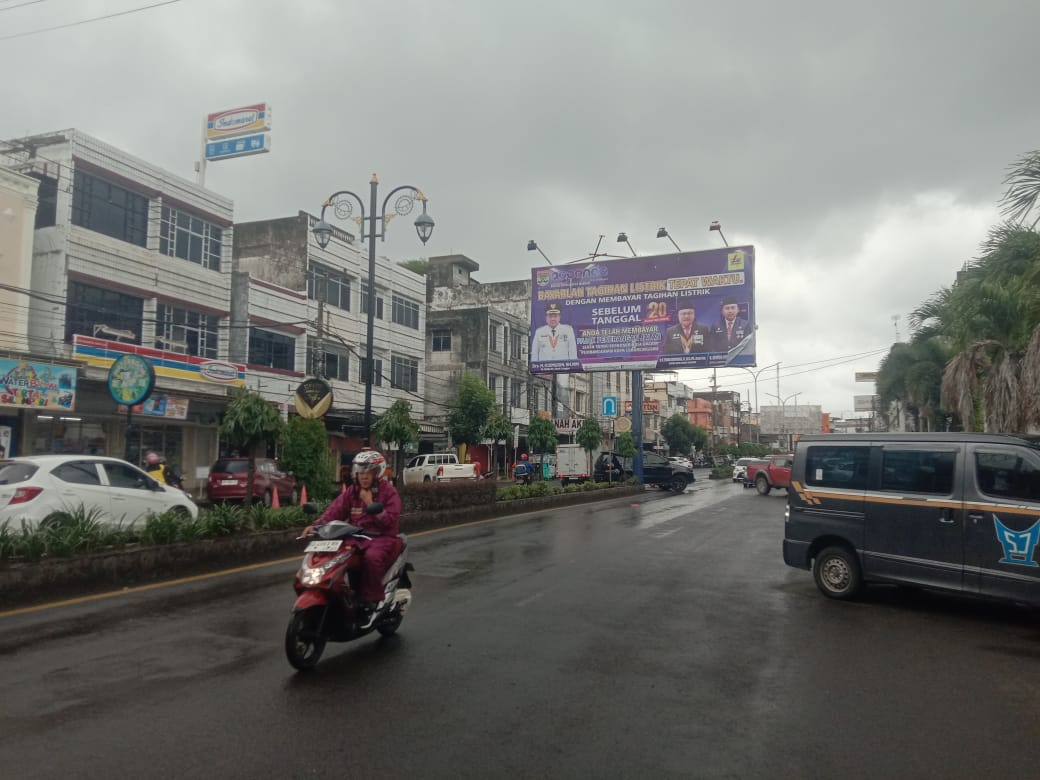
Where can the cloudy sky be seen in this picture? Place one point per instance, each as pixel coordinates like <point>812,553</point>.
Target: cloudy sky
<point>859,147</point>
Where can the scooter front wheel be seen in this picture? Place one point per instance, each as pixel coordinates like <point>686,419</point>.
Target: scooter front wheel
<point>303,647</point>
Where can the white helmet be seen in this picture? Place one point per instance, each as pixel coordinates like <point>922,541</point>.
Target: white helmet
<point>369,460</point>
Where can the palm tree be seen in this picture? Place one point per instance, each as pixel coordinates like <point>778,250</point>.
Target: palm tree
<point>1023,180</point>
<point>991,325</point>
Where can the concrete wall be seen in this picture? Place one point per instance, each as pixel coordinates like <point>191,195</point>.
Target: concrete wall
<point>17,217</point>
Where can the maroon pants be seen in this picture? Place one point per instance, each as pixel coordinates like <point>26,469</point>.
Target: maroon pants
<point>377,554</point>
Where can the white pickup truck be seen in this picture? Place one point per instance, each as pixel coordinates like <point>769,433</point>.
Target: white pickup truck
<point>437,467</point>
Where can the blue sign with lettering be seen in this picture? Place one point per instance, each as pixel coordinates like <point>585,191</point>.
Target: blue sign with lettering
<point>238,147</point>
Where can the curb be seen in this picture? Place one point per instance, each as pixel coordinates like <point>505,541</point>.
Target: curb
<point>25,583</point>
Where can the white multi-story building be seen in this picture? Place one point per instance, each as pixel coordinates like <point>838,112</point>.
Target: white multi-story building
<point>127,258</point>
<point>305,310</point>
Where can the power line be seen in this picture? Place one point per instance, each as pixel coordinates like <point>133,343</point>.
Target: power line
<point>20,5</point>
<point>85,21</point>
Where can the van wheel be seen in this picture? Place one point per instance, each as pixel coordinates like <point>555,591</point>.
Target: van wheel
<point>678,484</point>
<point>427,478</point>
<point>837,574</point>
<point>762,486</point>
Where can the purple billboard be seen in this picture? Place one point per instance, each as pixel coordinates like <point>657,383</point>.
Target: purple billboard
<point>683,310</point>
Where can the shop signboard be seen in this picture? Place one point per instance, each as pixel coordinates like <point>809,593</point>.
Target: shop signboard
<point>666,312</point>
<point>24,383</point>
<point>102,353</point>
<point>162,406</point>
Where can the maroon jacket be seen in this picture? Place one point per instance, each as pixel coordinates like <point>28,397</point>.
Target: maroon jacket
<point>350,507</point>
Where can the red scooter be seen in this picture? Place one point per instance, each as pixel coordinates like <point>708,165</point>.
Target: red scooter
<point>327,607</point>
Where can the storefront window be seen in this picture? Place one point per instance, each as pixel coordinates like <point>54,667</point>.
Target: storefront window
<point>67,435</point>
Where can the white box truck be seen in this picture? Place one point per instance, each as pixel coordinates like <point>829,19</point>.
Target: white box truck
<point>572,464</point>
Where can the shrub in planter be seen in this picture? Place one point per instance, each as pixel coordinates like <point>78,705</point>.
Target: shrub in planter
<point>436,496</point>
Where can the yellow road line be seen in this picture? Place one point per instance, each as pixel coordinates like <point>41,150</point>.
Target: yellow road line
<point>198,577</point>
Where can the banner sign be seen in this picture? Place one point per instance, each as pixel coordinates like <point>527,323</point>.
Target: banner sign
<point>172,365</point>
<point>866,376</point>
<point>865,403</point>
<point>650,407</point>
<point>162,406</point>
<point>683,310</point>
<point>568,425</point>
<point>37,385</point>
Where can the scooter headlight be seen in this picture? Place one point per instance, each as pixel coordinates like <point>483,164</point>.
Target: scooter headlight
<point>312,576</point>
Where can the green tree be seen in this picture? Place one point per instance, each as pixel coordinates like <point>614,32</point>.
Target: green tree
<point>589,436</point>
<point>305,452</point>
<point>497,428</point>
<point>249,421</point>
<point>419,265</point>
<point>678,433</point>
<point>626,444</point>
<point>396,426</point>
<point>542,439</point>
<point>470,409</point>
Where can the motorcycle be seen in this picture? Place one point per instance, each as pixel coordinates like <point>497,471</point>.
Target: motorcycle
<point>328,607</point>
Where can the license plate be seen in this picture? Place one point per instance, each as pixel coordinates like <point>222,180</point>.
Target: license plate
<point>323,545</point>
<point>229,482</point>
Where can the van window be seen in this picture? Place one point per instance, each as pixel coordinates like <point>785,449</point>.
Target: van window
<point>1007,475</point>
<point>837,466</point>
<point>918,471</point>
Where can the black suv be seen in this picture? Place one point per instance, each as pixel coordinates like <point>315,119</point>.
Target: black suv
<point>656,471</point>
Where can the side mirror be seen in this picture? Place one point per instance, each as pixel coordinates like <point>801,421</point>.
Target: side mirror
<point>310,508</point>
<point>374,508</point>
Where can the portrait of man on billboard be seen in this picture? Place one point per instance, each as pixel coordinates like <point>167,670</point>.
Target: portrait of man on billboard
<point>730,329</point>
<point>687,335</point>
<point>553,341</point>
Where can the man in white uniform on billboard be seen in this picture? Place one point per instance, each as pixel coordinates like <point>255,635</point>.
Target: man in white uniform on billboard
<point>553,341</point>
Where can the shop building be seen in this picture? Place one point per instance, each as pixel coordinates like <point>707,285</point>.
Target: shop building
<point>126,258</point>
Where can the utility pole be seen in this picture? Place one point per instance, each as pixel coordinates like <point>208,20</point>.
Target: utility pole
<point>714,410</point>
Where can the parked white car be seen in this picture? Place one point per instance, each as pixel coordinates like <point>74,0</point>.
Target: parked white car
<point>36,487</point>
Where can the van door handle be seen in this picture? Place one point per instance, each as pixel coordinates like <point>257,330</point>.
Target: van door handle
<point>946,517</point>
<point>975,518</point>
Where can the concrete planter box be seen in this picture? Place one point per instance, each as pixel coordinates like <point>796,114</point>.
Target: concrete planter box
<point>22,583</point>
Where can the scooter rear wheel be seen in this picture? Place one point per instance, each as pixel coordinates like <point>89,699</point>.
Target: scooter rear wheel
<point>389,625</point>
<point>302,647</point>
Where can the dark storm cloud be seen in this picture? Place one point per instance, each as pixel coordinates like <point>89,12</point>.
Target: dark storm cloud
<point>821,131</point>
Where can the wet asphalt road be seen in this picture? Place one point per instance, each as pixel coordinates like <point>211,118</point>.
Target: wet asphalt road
<point>655,638</point>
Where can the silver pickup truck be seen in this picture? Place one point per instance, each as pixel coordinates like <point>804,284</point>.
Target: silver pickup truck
<point>437,467</point>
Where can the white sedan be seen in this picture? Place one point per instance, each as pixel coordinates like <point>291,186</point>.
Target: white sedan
<point>37,487</point>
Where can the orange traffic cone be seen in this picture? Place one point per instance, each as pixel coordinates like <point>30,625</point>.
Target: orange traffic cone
<point>303,495</point>
<point>275,503</point>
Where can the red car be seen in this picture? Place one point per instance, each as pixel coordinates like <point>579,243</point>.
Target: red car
<point>228,477</point>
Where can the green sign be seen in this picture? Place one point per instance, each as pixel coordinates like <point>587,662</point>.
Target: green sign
<point>131,379</point>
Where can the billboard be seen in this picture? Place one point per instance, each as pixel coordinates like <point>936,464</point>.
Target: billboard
<point>864,403</point>
<point>682,310</point>
<point>866,376</point>
<point>40,386</point>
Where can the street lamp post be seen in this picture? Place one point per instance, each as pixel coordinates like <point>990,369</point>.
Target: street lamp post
<point>344,209</point>
<point>783,414</point>
<point>755,375</point>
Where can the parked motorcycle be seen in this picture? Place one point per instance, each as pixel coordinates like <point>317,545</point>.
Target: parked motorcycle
<point>328,607</point>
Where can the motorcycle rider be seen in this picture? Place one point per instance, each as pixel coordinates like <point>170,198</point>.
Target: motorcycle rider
<point>523,470</point>
<point>368,486</point>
